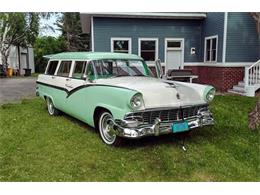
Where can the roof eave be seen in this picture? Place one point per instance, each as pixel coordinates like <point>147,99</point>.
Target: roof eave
<point>154,15</point>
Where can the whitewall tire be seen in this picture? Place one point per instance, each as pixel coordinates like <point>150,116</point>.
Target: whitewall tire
<point>51,108</point>
<point>106,132</point>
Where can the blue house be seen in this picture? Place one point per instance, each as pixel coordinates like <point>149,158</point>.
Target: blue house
<point>223,49</point>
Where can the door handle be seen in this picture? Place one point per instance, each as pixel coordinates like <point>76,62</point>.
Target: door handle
<point>53,77</point>
<point>69,86</point>
<point>68,79</point>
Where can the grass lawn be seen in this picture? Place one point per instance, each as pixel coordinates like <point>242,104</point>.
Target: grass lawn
<point>37,147</point>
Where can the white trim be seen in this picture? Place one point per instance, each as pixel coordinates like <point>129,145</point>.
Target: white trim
<point>149,39</point>
<point>219,64</point>
<point>71,68</point>
<point>165,50</point>
<point>205,44</point>
<point>225,38</point>
<point>112,39</point>
<point>92,35</point>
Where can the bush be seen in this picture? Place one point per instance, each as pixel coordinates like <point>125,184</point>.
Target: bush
<point>45,46</point>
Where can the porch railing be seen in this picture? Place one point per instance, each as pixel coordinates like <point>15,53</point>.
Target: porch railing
<point>252,74</point>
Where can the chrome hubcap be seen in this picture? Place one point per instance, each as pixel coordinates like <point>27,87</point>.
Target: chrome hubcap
<point>50,106</point>
<point>106,128</point>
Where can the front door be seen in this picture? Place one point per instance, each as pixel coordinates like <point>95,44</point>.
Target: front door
<point>174,53</point>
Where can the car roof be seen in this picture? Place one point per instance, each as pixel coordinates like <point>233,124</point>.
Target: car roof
<point>92,56</point>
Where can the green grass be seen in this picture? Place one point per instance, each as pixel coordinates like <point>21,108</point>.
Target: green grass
<point>37,147</point>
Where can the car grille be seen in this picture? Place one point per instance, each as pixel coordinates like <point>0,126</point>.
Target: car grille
<point>165,115</point>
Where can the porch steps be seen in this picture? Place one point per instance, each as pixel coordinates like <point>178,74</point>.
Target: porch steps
<point>251,82</point>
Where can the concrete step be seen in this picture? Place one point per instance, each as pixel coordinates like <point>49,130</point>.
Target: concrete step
<point>241,83</point>
<point>239,89</point>
<point>236,92</point>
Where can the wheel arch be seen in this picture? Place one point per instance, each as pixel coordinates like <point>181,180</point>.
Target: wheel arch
<point>98,110</point>
<point>45,96</point>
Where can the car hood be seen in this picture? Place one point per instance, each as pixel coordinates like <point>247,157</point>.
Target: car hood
<point>157,92</point>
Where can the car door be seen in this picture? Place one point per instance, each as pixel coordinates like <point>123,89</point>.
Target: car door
<point>76,102</point>
<point>61,79</point>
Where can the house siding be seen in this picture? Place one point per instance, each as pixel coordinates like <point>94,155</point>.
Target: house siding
<point>214,25</point>
<point>190,30</point>
<point>242,39</point>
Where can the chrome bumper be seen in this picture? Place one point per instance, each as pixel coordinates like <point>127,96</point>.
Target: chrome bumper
<point>133,129</point>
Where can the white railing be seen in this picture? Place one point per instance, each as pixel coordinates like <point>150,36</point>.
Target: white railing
<point>252,74</point>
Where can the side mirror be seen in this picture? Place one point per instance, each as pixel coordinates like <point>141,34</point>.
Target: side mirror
<point>159,69</point>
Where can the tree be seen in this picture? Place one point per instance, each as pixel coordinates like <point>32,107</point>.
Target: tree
<point>70,26</point>
<point>45,46</point>
<point>19,29</point>
<point>256,16</point>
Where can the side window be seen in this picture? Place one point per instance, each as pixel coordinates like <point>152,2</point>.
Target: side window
<point>79,70</point>
<point>90,71</point>
<point>52,67</point>
<point>64,69</point>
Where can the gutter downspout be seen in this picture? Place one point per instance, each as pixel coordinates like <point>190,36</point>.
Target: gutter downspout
<point>92,34</point>
<point>224,38</point>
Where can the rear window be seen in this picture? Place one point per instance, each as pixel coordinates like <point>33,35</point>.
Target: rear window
<point>64,69</point>
<point>52,67</point>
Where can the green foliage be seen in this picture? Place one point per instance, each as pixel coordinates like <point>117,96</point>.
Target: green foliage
<point>70,26</point>
<point>17,28</point>
<point>45,46</point>
<point>37,147</point>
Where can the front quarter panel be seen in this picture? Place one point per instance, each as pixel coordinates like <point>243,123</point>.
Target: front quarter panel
<point>83,102</point>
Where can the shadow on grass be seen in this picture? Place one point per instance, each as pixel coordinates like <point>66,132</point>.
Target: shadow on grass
<point>176,139</point>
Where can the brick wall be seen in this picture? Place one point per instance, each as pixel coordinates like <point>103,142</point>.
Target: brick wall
<point>222,78</point>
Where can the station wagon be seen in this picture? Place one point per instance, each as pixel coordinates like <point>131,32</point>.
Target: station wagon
<point>117,94</point>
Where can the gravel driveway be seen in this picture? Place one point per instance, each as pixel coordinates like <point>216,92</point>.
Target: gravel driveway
<point>15,89</point>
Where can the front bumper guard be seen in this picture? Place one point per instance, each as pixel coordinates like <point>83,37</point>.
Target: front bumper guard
<point>127,129</point>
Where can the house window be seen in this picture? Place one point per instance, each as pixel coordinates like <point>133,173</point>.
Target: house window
<point>148,49</point>
<point>64,69</point>
<point>121,45</point>
<point>52,67</point>
<point>211,47</point>
<point>174,44</point>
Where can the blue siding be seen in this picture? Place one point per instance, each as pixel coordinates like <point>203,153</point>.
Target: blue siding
<point>214,25</point>
<point>242,39</point>
<point>190,30</point>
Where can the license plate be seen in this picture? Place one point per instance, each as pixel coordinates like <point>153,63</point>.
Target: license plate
<point>180,127</point>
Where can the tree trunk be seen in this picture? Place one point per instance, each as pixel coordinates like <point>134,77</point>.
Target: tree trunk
<point>4,55</point>
<point>254,117</point>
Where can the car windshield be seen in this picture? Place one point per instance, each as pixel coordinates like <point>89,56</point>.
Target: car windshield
<point>117,68</point>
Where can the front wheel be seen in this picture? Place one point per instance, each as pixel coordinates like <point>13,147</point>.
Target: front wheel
<point>51,108</point>
<point>106,131</point>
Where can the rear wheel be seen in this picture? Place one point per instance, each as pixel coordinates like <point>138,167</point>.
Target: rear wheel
<point>106,131</point>
<point>51,108</point>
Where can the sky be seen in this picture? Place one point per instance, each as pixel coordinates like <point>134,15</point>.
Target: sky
<point>49,22</point>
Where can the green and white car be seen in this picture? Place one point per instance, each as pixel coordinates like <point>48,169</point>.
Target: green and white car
<point>117,94</point>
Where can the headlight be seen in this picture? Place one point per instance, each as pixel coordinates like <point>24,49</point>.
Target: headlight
<point>210,93</point>
<point>136,101</point>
